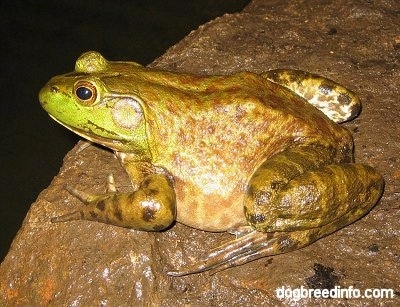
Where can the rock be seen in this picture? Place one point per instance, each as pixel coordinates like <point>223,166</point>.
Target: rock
<point>82,263</point>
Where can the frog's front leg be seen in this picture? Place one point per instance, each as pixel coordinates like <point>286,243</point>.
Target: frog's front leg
<point>152,207</point>
<point>292,200</point>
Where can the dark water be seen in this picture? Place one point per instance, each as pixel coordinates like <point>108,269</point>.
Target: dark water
<point>40,39</point>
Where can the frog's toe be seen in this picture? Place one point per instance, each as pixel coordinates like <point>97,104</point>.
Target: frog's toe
<point>110,186</point>
<point>73,216</point>
<point>83,144</point>
<point>257,245</point>
<point>247,248</point>
<point>84,197</point>
<point>88,199</point>
<point>240,230</point>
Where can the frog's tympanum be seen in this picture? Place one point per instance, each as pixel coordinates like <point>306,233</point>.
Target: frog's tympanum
<point>258,155</point>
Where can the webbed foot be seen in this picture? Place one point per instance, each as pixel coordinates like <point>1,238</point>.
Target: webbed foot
<point>249,247</point>
<point>256,245</point>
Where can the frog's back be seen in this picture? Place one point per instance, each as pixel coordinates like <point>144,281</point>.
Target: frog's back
<point>213,145</point>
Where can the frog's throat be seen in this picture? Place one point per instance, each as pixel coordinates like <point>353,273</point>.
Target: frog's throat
<point>114,143</point>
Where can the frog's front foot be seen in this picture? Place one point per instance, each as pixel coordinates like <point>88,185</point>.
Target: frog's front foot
<point>151,208</point>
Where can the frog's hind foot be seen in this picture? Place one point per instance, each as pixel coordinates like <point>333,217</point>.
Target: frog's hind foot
<point>244,249</point>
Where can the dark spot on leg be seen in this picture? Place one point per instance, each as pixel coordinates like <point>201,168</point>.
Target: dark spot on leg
<point>250,190</point>
<point>93,215</point>
<point>344,99</point>
<point>116,208</point>
<point>118,213</point>
<point>256,218</point>
<point>146,182</point>
<point>148,214</point>
<point>325,89</point>
<point>373,248</point>
<point>153,192</point>
<point>275,185</point>
<point>101,205</point>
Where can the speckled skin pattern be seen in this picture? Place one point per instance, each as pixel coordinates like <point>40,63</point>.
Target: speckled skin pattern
<point>259,156</point>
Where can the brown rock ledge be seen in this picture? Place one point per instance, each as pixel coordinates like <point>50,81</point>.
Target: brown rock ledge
<point>357,43</point>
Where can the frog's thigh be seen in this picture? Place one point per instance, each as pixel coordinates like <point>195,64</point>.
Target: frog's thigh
<point>336,194</point>
<point>152,207</point>
<point>334,100</point>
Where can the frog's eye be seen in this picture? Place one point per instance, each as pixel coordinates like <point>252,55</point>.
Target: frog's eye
<point>86,92</point>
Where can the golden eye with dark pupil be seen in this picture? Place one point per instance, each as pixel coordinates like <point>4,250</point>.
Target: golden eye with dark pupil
<point>86,92</point>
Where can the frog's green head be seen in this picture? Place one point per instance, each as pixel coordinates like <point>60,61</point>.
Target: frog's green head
<point>82,102</point>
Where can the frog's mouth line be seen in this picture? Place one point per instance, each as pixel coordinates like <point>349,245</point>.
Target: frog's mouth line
<point>107,142</point>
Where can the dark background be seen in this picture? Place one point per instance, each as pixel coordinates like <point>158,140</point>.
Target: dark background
<point>43,38</point>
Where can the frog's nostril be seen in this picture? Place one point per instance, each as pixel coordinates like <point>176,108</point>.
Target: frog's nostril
<point>53,89</point>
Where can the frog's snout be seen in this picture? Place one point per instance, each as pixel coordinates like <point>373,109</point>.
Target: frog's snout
<point>45,91</point>
<point>42,95</point>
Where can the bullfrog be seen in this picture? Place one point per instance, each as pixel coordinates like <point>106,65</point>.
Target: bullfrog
<point>261,156</point>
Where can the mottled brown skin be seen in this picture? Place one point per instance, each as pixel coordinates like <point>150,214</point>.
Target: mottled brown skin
<point>244,153</point>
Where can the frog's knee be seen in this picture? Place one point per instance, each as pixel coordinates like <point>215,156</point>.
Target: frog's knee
<point>335,101</point>
<point>336,195</point>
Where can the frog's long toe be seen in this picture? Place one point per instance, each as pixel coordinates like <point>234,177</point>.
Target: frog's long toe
<point>247,248</point>
<point>73,216</point>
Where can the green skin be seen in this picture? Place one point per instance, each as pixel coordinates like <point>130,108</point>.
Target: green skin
<point>259,156</point>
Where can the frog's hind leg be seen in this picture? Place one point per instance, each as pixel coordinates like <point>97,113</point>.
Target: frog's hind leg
<point>295,198</point>
<point>335,101</point>
<point>256,245</point>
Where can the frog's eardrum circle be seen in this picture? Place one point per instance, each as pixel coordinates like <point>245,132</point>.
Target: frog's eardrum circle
<point>127,113</point>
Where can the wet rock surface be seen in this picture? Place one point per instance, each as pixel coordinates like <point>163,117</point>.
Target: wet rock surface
<point>82,263</point>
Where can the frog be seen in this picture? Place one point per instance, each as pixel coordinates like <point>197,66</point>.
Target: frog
<point>261,156</point>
